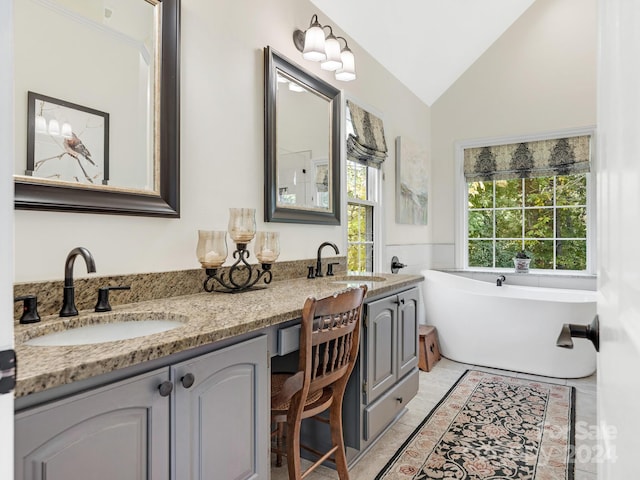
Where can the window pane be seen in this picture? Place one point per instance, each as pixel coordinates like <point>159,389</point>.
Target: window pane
<point>505,251</point>
<point>356,181</point>
<point>360,223</point>
<point>508,223</point>
<point>571,254</point>
<point>480,194</point>
<point>481,224</point>
<point>572,222</point>
<point>480,253</point>
<point>353,258</point>
<point>538,223</point>
<point>359,231</point>
<point>509,193</point>
<point>541,253</point>
<point>538,192</point>
<point>360,258</point>
<point>540,215</point>
<point>354,227</point>
<point>571,189</point>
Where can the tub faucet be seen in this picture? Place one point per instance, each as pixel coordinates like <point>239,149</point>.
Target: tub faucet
<point>68,301</point>
<point>501,279</point>
<point>590,332</point>
<point>319,259</point>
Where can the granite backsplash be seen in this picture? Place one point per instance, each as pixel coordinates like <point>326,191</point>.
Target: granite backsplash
<point>144,286</point>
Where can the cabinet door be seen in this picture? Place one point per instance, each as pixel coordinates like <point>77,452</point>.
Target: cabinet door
<point>380,347</point>
<point>120,431</point>
<point>407,332</point>
<point>222,419</point>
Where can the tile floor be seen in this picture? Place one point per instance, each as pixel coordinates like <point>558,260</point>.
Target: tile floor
<point>433,386</point>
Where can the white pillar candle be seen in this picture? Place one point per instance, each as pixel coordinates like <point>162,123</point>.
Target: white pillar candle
<point>211,256</point>
<point>268,255</point>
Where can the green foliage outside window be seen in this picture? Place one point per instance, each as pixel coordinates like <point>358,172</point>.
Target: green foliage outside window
<point>359,221</point>
<point>356,181</point>
<point>545,216</point>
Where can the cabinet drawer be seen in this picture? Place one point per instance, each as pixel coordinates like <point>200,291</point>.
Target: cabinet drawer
<point>384,410</point>
<point>288,339</point>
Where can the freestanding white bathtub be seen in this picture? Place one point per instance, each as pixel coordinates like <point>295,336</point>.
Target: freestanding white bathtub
<point>509,327</point>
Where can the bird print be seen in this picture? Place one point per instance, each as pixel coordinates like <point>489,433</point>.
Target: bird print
<point>74,147</point>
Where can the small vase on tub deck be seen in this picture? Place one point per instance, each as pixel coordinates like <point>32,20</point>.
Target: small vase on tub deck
<point>521,262</point>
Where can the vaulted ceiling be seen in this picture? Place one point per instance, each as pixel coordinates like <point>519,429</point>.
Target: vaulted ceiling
<point>426,44</point>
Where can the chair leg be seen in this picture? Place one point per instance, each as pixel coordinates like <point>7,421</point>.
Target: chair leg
<point>293,450</point>
<point>279,438</point>
<point>337,439</point>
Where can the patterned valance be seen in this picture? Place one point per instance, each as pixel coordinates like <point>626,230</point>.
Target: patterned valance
<point>541,158</point>
<point>366,144</point>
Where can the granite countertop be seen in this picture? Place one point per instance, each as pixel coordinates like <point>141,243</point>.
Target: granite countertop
<point>207,318</point>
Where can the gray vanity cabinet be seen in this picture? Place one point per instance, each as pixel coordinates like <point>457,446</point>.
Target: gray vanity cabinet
<point>407,332</point>
<point>117,431</point>
<point>221,420</point>
<point>380,347</point>
<point>390,356</point>
<point>210,420</point>
<point>391,341</point>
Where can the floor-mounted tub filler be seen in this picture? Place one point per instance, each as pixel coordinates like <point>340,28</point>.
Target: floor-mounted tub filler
<point>510,327</point>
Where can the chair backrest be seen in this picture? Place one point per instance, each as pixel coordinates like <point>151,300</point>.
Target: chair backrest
<point>330,338</point>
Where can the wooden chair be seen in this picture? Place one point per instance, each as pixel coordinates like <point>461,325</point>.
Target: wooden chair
<point>329,341</point>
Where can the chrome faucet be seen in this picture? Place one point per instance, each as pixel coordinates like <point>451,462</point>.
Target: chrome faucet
<point>500,280</point>
<point>68,300</point>
<point>319,259</point>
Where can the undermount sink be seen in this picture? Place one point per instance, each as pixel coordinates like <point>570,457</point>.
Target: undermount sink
<point>108,328</point>
<point>358,278</point>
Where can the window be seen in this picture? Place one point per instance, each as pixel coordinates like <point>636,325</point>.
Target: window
<point>544,216</point>
<point>363,192</point>
<point>360,214</point>
<point>533,195</point>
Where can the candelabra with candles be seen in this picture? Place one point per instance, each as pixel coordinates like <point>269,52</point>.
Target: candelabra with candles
<point>241,276</point>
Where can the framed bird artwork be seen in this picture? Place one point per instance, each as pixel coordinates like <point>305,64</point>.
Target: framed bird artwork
<point>66,141</point>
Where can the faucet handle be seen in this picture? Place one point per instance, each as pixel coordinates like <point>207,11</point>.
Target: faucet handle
<point>330,268</point>
<point>396,264</point>
<point>103,304</point>
<point>29,309</point>
<point>310,273</point>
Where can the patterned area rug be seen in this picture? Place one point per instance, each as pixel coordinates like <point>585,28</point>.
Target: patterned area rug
<point>492,427</point>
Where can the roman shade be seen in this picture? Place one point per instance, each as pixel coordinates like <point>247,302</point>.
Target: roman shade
<point>366,144</point>
<point>540,158</point>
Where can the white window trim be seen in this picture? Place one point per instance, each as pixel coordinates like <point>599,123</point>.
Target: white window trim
<point>461,253</point>
<point>374,183</point>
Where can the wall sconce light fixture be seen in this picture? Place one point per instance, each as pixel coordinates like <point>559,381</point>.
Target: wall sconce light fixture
<point>317,47</point>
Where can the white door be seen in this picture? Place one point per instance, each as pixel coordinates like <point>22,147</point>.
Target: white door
<point>618,239</point>
<point>6,226</point>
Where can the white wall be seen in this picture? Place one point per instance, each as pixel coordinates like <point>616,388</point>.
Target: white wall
<point>539,76</point>
<point>222,149</point>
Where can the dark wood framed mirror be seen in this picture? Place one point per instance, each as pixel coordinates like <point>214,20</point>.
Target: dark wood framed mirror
<point>302,144</point>
<point>162,129</point>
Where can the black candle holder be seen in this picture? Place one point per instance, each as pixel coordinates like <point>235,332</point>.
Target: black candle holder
<point>241,276</point>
